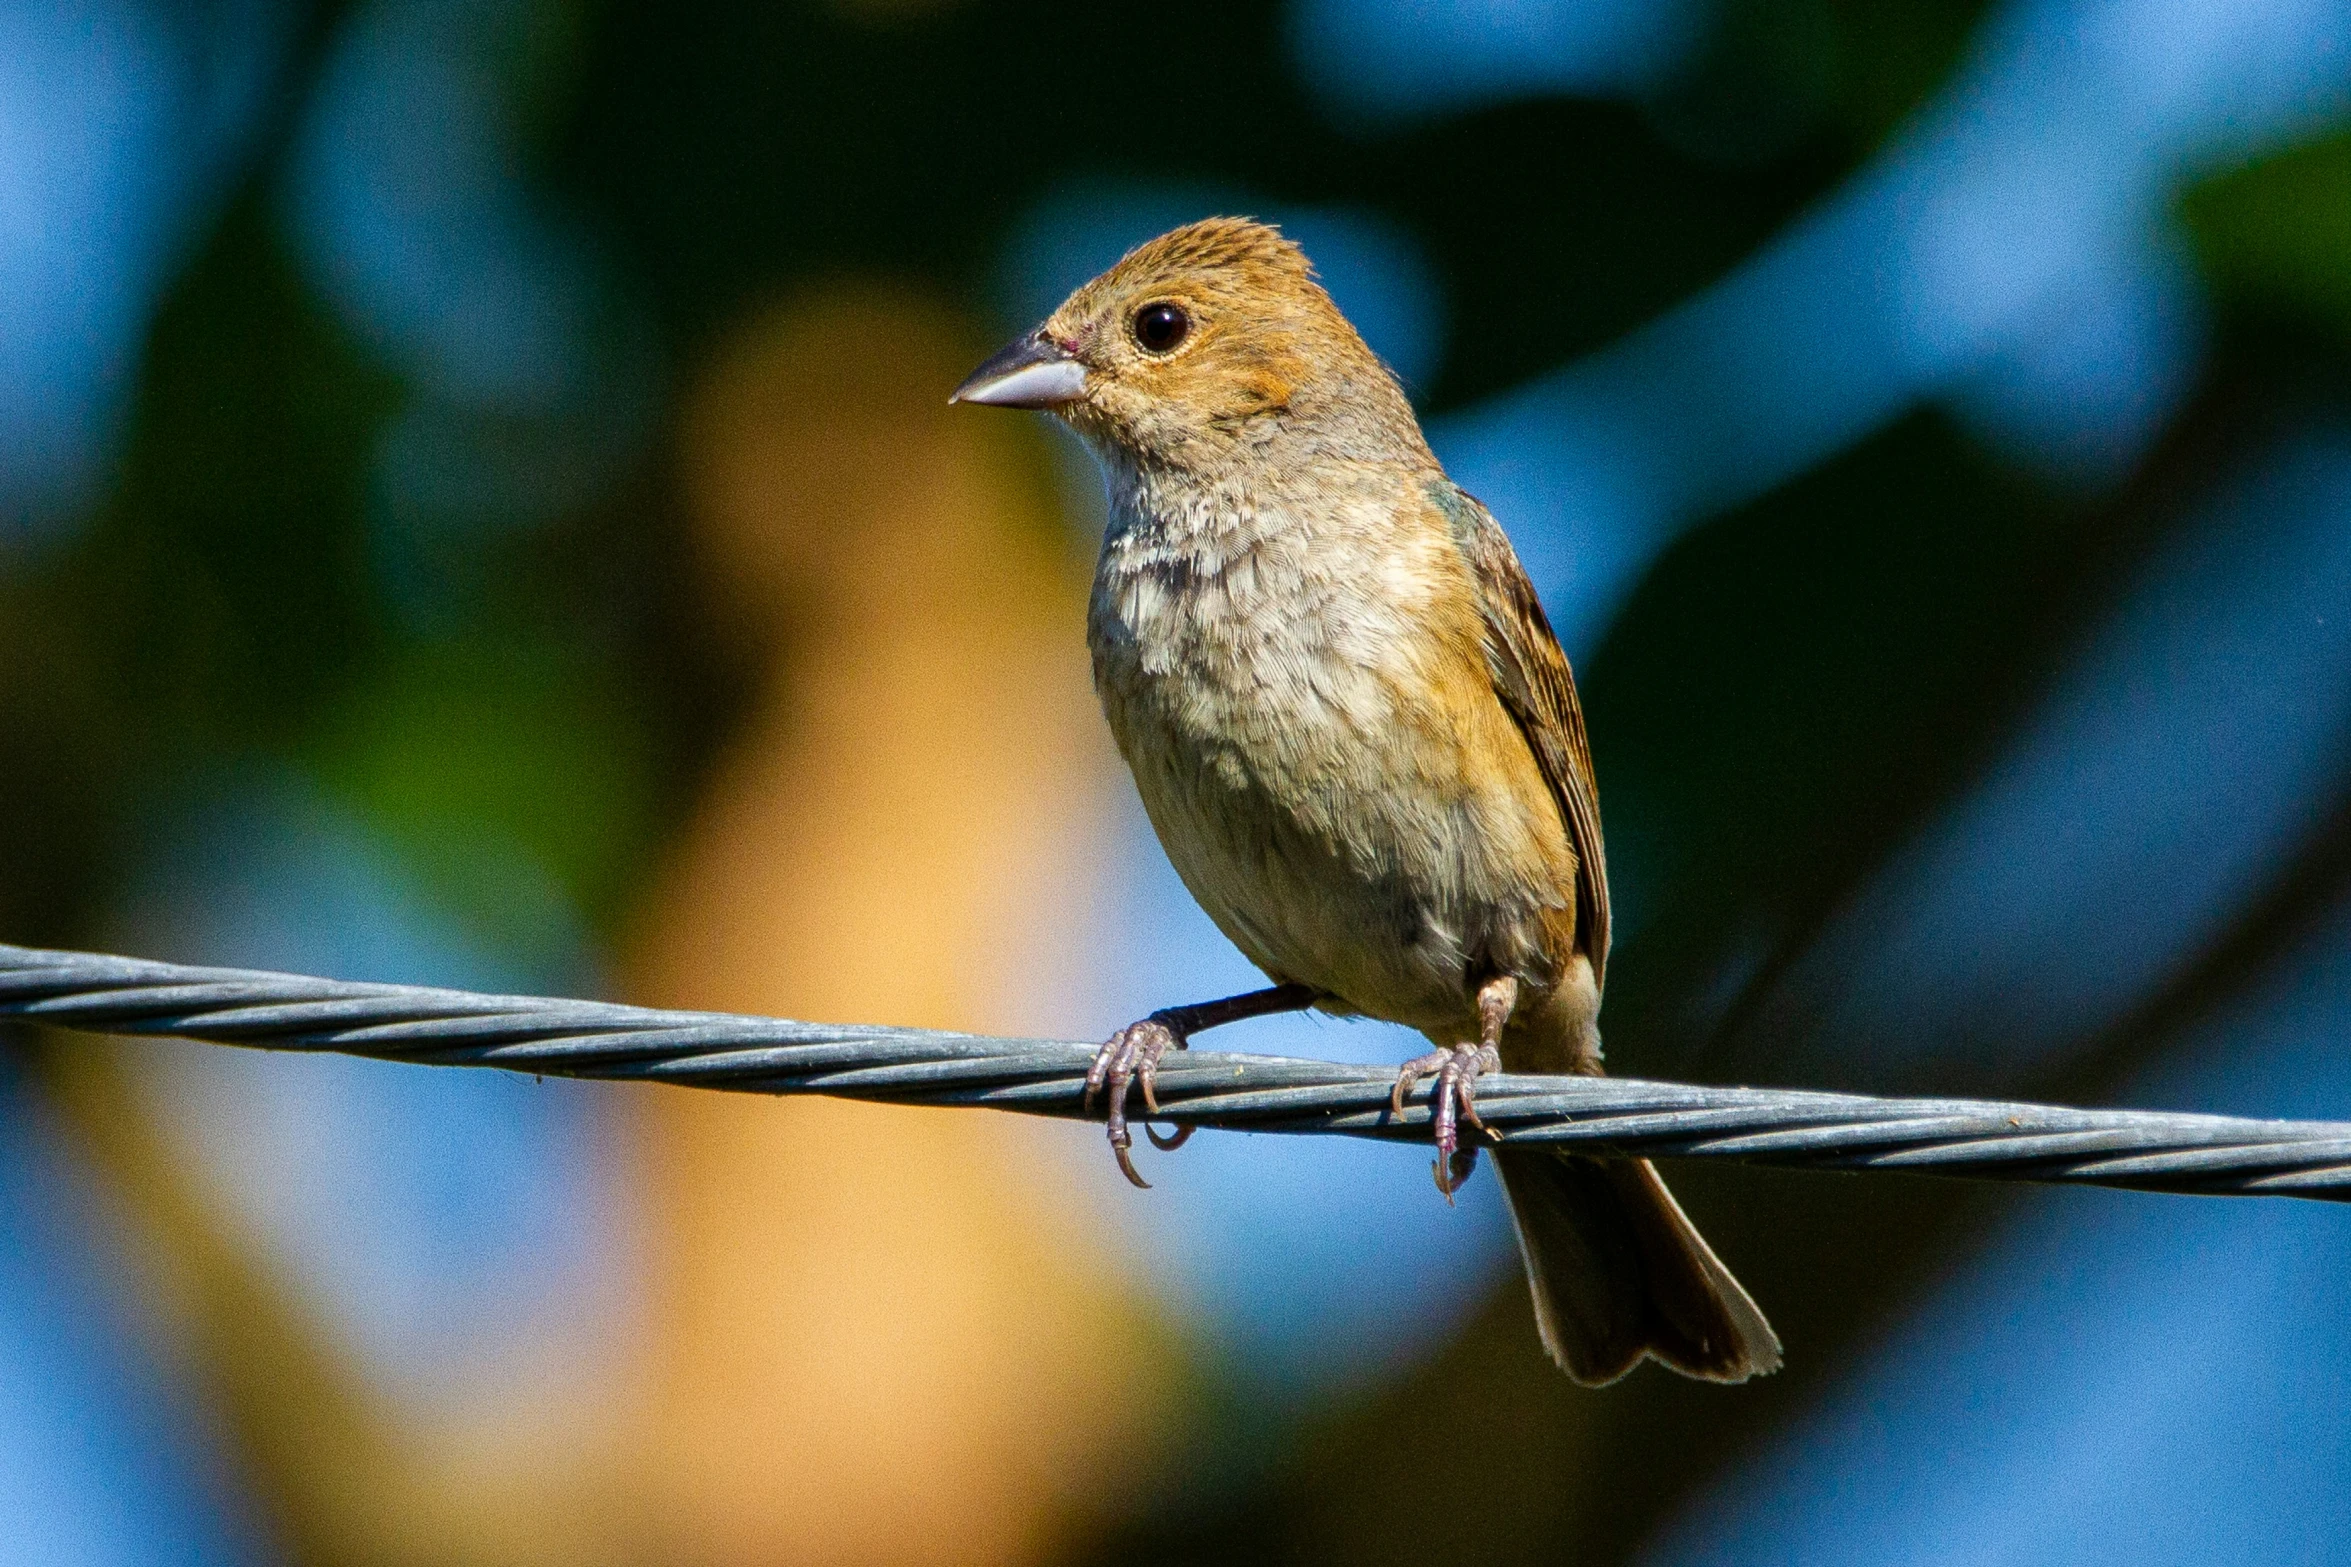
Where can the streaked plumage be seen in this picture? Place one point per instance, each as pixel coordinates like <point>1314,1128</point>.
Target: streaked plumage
<point>1355,733</point>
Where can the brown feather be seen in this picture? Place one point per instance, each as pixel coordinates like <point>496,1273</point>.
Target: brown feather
<point>1532,678</point>
<point>1358,737</point>
<point>1619,1272</point>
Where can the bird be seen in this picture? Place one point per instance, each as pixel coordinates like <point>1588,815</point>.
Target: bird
<point>1360,744</point>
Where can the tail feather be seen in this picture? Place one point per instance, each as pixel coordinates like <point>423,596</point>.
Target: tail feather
<point>1619,1272</point>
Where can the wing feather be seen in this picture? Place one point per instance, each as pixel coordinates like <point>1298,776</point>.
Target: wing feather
<point>1531,676</point>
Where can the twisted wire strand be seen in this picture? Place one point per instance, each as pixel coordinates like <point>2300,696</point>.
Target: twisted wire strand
<point>1986,1140</point>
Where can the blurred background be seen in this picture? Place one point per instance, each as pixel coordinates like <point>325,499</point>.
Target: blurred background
<point>478,506</point>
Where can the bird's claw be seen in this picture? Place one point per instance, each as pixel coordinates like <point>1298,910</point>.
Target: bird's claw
<point>1131,1058</point>
<point>1451,1102</point>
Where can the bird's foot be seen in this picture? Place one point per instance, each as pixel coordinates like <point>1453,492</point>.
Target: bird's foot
<point>1131,1057</point>
<point>1452,1102</point>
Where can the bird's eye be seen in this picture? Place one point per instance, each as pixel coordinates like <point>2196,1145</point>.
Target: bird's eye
<point>1161,326</point>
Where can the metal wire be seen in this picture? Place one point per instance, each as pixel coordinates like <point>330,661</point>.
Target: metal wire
<point>2140,1149</point>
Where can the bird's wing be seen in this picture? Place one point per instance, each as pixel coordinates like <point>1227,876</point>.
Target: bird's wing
<point>1531,677</point>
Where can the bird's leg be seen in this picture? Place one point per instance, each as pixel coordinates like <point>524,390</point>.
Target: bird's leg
<point>1132,1056</point>
<point>1454,1099</point>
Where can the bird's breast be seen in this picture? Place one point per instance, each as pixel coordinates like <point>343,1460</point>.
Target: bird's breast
<point>1275,652</point>
<point>1322,756</point>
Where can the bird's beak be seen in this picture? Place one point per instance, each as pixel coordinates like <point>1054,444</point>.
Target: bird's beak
<point>1035,372</point>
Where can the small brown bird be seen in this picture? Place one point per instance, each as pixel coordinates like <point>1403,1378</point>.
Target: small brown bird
<point>1360,743</point>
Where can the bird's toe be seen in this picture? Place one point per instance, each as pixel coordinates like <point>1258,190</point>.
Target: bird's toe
<point>1130,1058</point>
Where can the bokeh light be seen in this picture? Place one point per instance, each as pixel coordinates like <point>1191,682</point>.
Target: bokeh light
<point>478,506</point>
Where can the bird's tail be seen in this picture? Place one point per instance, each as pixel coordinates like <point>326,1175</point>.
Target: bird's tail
<point>1619,1272</point>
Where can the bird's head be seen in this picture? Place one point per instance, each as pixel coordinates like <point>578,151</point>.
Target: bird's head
<point>1203,341</point>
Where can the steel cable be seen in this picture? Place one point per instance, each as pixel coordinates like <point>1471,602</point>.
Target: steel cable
<point>1986,1140</point>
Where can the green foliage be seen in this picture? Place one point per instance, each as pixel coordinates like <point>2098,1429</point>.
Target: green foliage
<point>2276,234</point>
<point>529,745</point>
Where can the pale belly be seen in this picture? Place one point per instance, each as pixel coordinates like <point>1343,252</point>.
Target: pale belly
<point>1388,841</point>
